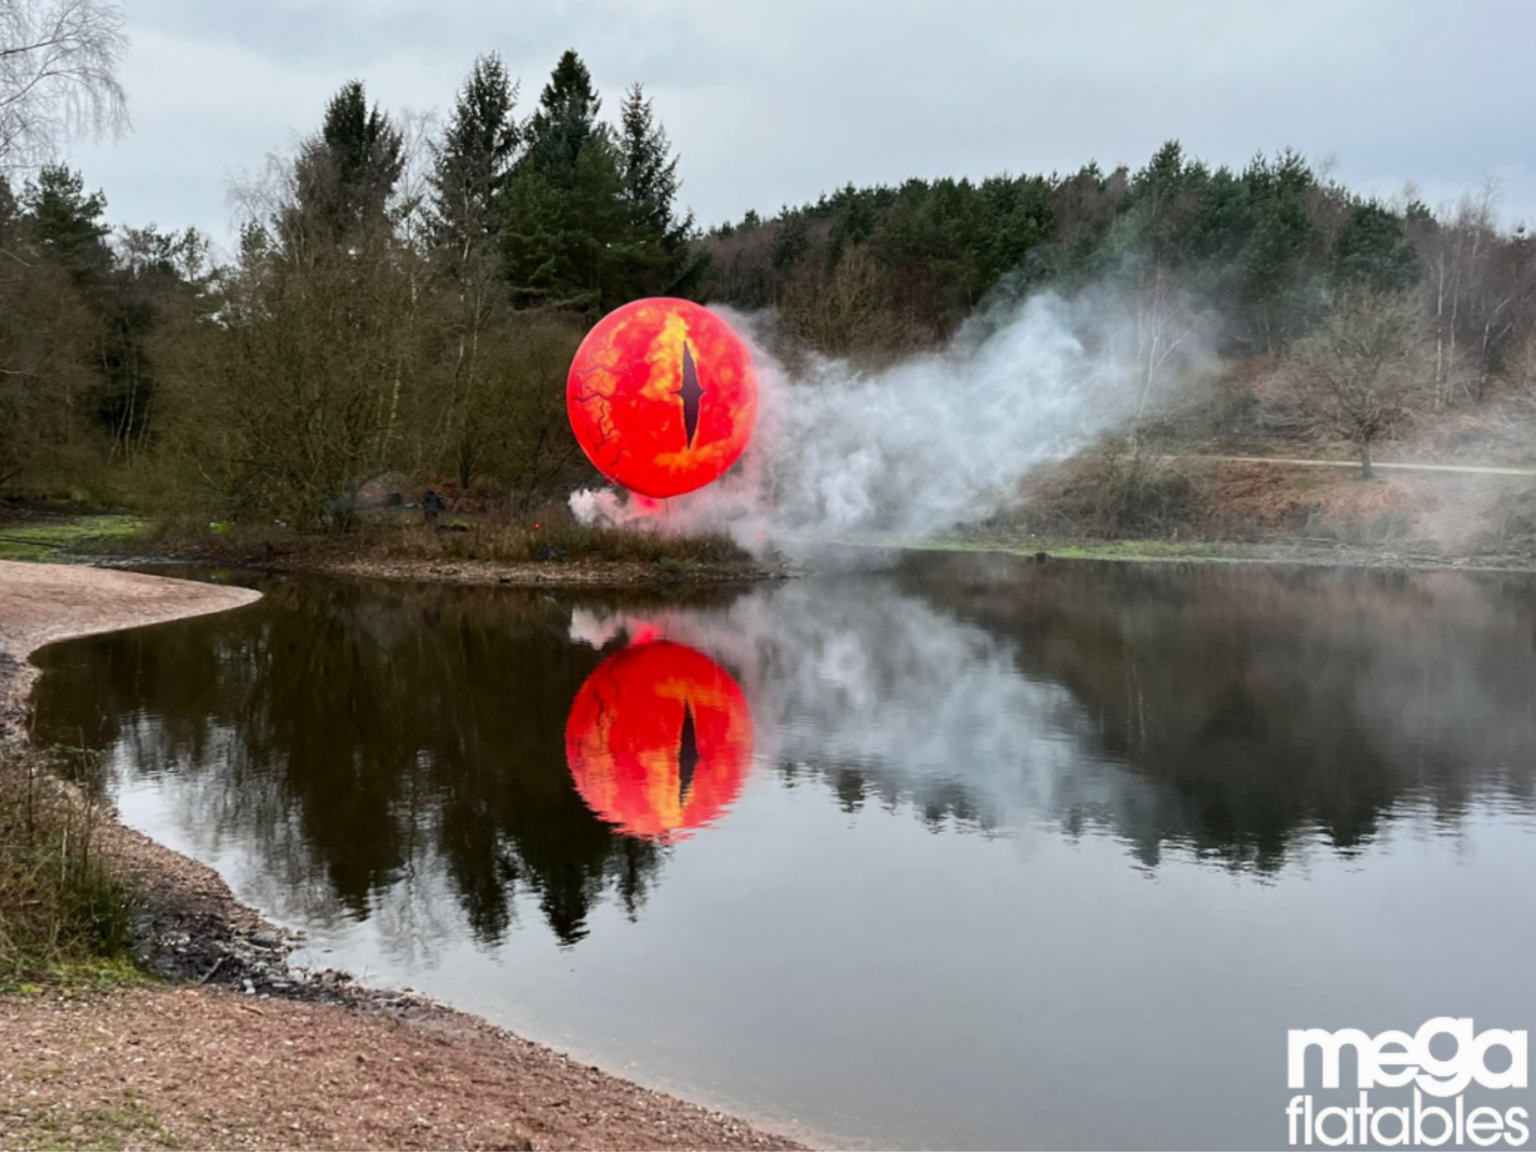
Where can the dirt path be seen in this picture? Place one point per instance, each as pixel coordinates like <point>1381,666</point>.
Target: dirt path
<point>1388,466</point>
<point>302,1060</point>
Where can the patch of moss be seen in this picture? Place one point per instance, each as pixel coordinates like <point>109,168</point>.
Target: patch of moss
<point>109,1126</point>
<point>65,537</point>
<point>72,977</point>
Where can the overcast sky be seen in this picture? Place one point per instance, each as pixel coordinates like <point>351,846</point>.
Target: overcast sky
<point>775,101</point>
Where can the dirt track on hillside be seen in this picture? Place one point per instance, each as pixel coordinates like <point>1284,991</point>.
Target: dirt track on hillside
<point>1381,466</point>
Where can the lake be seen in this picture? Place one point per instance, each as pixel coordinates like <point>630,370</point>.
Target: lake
<point>966,852</point>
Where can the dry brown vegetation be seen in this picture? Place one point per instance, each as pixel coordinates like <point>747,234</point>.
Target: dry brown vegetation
<point>549,537</point>
<point>1116,496</point>
<point>61,911</point>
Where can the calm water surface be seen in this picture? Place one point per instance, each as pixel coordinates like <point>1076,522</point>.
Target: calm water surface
<point>971,853</point>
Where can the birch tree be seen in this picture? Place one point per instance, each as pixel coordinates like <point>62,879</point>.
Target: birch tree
<point>58,76</point>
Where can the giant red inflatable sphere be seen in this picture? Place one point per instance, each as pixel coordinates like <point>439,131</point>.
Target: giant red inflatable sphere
<point>662,396</point>
<point>658,740</point>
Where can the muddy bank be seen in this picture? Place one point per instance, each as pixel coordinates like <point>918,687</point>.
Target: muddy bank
<point>251,1052</point>
<point>532,574</point>
<point>383,560</point>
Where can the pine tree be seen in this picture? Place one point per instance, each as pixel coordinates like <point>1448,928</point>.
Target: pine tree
<point>590,219</point>
<point>346,174</point>
<point>1276,268</point>
<point>651,183</point>
<point>565,120</point>
<point>66,221</point>
<point>472,164</point>
<point>650,169</point>
<point>469,185</point>
<point>566,235</point>
<point>1372,251</point>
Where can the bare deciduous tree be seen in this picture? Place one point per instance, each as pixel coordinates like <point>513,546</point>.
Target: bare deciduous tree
<point>58,76</point>
<point>1157,352</point>
<point>1365,371</point>
<point>846,309</point>
<point>1522,377</point>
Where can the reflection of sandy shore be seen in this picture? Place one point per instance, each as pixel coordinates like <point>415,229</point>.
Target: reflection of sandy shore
<point>43,603</point>
<point>387,1070</point>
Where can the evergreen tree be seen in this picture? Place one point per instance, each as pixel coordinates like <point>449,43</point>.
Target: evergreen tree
<point>1162,199</point>
<point>471,166</point>
<point>651,183</point>
<point>650,168</point>
<point>346,174</point>
<point>589,221</point>
<point>62,219</point>
<point>1277,263</point>
<point>1371,251</point>
<point>565,120</point>
<point>567,238</point>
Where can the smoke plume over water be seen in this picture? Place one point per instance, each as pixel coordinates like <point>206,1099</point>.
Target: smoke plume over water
<point>938,440</point>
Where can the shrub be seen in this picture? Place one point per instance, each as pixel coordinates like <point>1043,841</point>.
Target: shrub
<point>59,907</point>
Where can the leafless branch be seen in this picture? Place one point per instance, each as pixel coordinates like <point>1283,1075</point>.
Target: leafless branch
<point>58,76</point>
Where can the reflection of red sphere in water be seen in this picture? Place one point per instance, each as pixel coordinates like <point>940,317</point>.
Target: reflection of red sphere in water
<point>658,740</point>
<point>662,396</point>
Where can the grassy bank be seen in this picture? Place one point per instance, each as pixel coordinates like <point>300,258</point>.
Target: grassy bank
<point>1078,548</point>
<point>63,918</point>
<point>50,536</point>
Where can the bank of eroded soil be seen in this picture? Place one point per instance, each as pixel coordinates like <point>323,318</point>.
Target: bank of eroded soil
<point>246,1052</point>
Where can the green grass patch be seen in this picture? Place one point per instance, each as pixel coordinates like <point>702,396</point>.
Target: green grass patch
<point>62,538</point>
<point>1149,551</point>
<point>111,1125</point>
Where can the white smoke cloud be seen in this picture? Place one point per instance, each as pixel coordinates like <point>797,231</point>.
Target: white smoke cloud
<point>939,440</point>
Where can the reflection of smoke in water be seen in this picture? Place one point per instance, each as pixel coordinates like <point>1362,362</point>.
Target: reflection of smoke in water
<point>921,704</point>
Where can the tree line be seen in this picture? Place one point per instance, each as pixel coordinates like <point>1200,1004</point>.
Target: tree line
<point>1272,248</point>
<point>1366,312</point>
<point>396,302</point>
<point>408,300</point>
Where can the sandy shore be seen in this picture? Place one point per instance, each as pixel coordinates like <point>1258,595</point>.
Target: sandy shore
<point>44,603</point>
<point>249,1053</point>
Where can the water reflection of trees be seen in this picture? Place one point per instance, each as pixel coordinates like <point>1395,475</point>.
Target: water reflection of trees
<point>396,752</point>
<point>374,745</point>
<point>1226,712</point>
<point>1260,702</point>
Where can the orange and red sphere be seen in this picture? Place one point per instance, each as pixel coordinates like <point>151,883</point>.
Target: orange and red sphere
<point>658,740</point>
<point>662,396</point>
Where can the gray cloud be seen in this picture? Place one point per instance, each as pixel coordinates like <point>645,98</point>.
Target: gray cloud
<point>777,102</point>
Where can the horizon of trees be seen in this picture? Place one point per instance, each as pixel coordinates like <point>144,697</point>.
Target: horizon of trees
<point>408,301</point>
